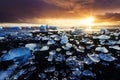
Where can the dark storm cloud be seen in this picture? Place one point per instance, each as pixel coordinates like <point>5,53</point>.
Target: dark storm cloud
<point>109,17</point>
<point>30,10</point>
<point>20,10</point>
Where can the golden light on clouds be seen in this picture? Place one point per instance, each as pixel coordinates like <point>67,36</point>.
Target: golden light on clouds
<point>68,22</point>
<point>88,21</point>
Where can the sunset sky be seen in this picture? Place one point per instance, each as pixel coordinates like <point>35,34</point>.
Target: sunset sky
<point>45,11</point>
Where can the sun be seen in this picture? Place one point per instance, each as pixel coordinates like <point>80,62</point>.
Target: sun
<point>88,21</point>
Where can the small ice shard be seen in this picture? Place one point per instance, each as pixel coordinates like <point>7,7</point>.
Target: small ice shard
<point>67,46</point>
<point>105,31</point>
<point>64,39</point>
<point>50,58</point>
<point>116,34</point>
<point>81,47</point>
<point>111,42</point>
<point>56,73</point>
<point>32,68</point>
<point>17,53</point>
<point>50,42</point>
<point>1,38</point>
<point>32,46</point>
<point>53,36</point>
<point>44,38</point>
<point>59,57</point>
<point>68,53</point>
<point>88,73</point>
<point>101,37</point>
<point>88,61</point>
<point>118,42</point>
<point>50,69</point>
<point>16,76</point>
<point>94,57</point>
<point>118,66</point>
<point>42,75</point>
<point>115,47</point>
<point>77,31</point>
<point>71,39</point>
<point>106,57</point>
<point>43,28</point>
<point>71,61</point>
<point>102,49</point>
<point>58,49</point>
<point>84,40</point>
<point>53,52</point>
<point>89,42</point>
<point>57,38</point>
<point>44,48</point>
<point>76,73</point>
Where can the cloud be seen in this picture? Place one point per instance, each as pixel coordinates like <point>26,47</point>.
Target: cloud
<point>108,17</point>
<point>31,10</point>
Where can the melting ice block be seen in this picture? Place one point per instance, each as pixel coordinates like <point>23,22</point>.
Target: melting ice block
<point>88,73</point>
<point>102,49</point>
<point>94,57</point>
<point>17,53</point>
<point>101,37</point>
<point>107,57</point>
<point>32,46</point>
<point>64,39</point>
<point>44,48</point>
<point>115,47</point>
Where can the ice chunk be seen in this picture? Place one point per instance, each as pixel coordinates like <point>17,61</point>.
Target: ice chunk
<point>32,46</point>
<point>32,68</point>
<point>111,42</point>
<point>50,42</point>
<point>88,73</point>
<point>16,53</point>
<point>58,49</point>
<point>53,52</point>
<point>57,38</point>
<point>77,31</point>
<point>53,36</point>
<point>1,38</point>
<point>67,46</point>
<point>59,57</point>
<point>115,47</point>
<point>102,49</point>
<point>44,38</point>
<point>42,75</point>
<point>56,73</point>
<point>106,57</point>
<point>94,57</point>
<point>116,34</point>
<point>16,76</point>
<point>68,53</point>
<point>64,39</point>
<point>76,73</point>
<point>101,37</point>
<point>88,61</point>
<point>44,48</point>
<point>50,69</point>
<point>50,58</point>
<point>104,31</point>
<point>7,73</point>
